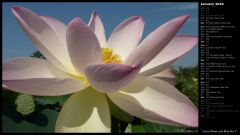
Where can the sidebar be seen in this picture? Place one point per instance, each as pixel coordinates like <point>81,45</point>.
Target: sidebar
<point>219,80</point>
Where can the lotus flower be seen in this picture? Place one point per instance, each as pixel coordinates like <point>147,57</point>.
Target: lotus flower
<point>79,60</point>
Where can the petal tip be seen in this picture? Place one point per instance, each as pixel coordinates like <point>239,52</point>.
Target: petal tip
<point>20,12</point>
<point>186,16</point>
<point>94,13</point>
<point>193,39</point>
<point>76,22</point>
<point>181,19</point>
<point>142,19</point>
<point>138,65</point>
<point>134,18</point>
<point>15,9</point>
<point>195,123</point>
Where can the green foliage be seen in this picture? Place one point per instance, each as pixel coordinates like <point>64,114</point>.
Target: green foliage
<point>118,113</point>
<point>37,122</point>
<point>186,82</point>
<point>187,72</point>
<point>43,119</point>
<point>45,100</point>
<point>138,129</point>
<point>25,104</point>
<point>37,54</point>
<point>148,127</point>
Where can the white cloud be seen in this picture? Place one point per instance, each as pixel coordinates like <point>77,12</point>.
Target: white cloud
<point>178,6</point>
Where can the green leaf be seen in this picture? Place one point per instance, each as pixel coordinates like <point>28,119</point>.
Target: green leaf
<point>149,127</point>
<point>118,113</point>
<point>37,54</point>
<point>186,82</point>
<point>138,129</point>
<point>40,121</point>
<point>44,100</point>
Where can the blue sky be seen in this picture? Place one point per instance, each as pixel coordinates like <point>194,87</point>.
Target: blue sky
<point>16,43</point>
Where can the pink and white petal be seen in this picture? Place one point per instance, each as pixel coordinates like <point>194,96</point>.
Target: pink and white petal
<point>58,27</point>
<point>157,101</point>
<point>159,68</point>
<point>97,26</point>
<point>60,30</point>
<point>83,46</point>
<point>85,111</point>
<point>38,77</point>
<point>42,35</point>
<point>29,67</point>
<point>156,41</point>
<point>111,77</point>
<point>179,46</point>
<point>45,86</point>
<point>126,36</point>
<point>166,75</point>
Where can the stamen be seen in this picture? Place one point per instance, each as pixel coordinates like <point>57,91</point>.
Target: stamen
<point>109,57</point>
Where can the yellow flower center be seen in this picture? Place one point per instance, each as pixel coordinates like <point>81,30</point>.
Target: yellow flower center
<point>109,57</point>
